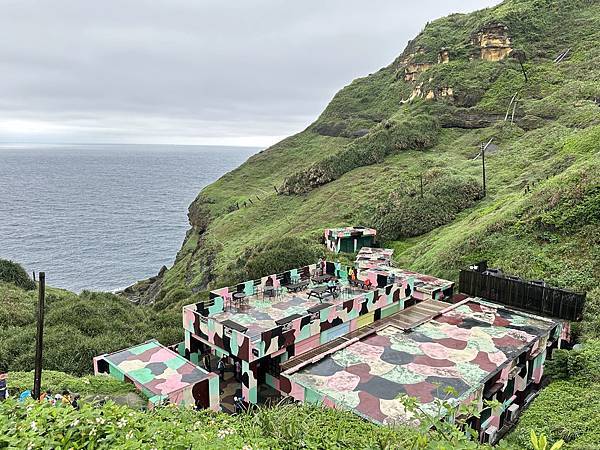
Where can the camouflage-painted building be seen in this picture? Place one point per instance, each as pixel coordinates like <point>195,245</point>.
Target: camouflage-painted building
<point>363,348</point>
<point>265,331</point>
<point>370,258</point>
<point>161,375</point>
<point>349,239</point>
<point>423,287</point>
<point>482,350</point>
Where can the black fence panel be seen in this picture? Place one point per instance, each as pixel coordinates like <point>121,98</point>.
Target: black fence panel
<point>522,294</point>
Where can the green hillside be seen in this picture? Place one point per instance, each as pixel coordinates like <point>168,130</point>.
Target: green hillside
<point>426,115</point>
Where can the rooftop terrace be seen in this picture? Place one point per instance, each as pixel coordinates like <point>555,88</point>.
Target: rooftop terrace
<point>369,258</point>
<point>463,347</point>
<point>259,314</point>
<point>350,231</point>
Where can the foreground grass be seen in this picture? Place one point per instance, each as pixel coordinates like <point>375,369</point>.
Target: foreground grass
<point>30,425</point>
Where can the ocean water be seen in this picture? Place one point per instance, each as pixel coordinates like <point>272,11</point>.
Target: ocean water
<point>100,217</point>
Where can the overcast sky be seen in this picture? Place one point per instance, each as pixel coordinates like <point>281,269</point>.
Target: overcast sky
<point>191,72</point>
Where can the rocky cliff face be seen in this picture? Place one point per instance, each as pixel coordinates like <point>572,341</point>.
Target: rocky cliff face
<point>492,43</point>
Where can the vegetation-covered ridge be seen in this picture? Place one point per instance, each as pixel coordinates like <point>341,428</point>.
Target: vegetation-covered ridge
<point>284,426</point>
<point>424,117</point>
<point>358,164</point>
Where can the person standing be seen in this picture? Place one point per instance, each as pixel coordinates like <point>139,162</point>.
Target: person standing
<point>238,370</point>
<point>221,368</point>
<point>206,362</point>
<point>320,266</point>
<point>3,388</point>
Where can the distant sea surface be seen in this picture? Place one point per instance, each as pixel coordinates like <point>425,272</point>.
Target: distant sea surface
<point>101,217</point>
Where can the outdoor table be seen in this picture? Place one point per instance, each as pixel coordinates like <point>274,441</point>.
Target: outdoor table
<point>295,287</point>
<point>322,278</point>
<point>319,292</point>
<point>333,288</point>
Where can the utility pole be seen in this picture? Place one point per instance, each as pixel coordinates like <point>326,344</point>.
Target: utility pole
<point>482,154</point>
<point>39,339</point>
<point>421,177</point>
<point>483,167</point>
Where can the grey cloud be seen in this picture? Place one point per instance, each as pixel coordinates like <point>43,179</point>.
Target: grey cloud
<point>124,69</point>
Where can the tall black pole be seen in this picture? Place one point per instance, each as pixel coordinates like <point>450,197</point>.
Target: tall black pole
<point>421,177</point>
<point>483,166</point>
<point>39,339</point>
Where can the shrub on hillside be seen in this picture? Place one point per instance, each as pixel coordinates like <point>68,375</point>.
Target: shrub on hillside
<point>274,256</point>
<point>59,381</point>
<point>407,214</point>
<point>589,328</point>
<point>172,297</point>
<point>33,425</point>
<point>12,272</point>
<point>390,136</point>
<point>278,256</point>
<point>571,201</point>
<point>18,306</point>
<point>564,410</point>
<point>582,364</point>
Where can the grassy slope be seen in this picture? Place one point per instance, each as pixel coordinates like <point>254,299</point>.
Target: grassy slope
<point>77,328</point>
<point>558,100</point>
<point>268,168</point>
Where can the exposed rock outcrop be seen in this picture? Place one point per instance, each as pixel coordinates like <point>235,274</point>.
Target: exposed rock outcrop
<point>446,92</point>
<point>431,94</point>
<point>492,42</point>
<point>199,213</point>
<point>412,70</point>
<point>444,56</point>
<point>146,291</point>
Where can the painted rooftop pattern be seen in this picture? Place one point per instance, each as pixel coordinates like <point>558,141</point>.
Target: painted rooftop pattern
<point>369,258</point>
<point>350,231</point>
<point>422,283</point>
<point>460,348</point>
<point>157,369</point>
<point>262,314</point>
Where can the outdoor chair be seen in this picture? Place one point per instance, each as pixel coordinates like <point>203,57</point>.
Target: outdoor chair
<point>269,291</point>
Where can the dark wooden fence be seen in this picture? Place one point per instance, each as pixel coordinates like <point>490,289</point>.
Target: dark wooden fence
<point>525,295</point>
